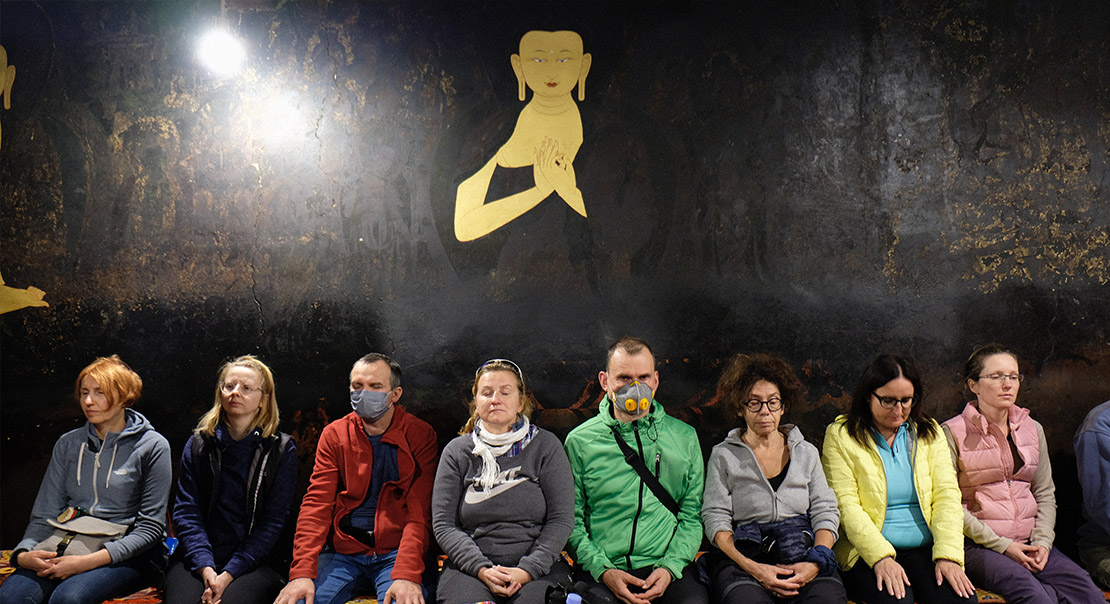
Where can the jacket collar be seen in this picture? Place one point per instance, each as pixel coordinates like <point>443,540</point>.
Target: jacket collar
<point>392,434</point>
<point>790,431</point>
<point>974,418</point>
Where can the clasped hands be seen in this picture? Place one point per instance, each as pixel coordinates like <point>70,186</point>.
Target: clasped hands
<point>214,585</point>
<point>553,171</point>
<point>618,581</point>
<point>50,565</point>
<point>784,580</point>
<point>503,580</point>
<point>1032,557</point>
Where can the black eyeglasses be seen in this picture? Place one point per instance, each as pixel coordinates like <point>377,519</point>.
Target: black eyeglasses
<point>755,404</point>
<point>888,402</point>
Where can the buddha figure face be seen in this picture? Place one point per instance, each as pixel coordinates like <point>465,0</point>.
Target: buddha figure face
<point>551,63</point>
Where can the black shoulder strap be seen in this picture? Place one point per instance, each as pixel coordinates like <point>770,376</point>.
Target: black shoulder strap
<point>650,479</point>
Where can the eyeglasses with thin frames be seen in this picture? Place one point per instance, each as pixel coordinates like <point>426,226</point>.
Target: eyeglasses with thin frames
<point>245,390</point>
<point>1002,377</point>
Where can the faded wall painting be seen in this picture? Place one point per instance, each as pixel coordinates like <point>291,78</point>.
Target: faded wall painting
<point>12,298</point>
<point>7,78</point>
<point>820,180</point>
<point>546,138</point>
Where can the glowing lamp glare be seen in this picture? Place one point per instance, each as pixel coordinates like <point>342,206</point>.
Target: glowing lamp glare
<point>221,52</point>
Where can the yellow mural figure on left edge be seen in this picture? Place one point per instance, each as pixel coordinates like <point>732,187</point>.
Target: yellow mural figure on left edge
<point>10,297</point>
<point>7,76</point>
<point>15,299</point>
<point>547,136</point>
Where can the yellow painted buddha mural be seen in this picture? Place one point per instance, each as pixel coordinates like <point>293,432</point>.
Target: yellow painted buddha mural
<point>10,297</point>
<point>547,136</point>
<point>7,76</point>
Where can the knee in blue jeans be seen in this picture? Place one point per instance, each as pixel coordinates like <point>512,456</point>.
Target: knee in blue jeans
<point>70,596</point>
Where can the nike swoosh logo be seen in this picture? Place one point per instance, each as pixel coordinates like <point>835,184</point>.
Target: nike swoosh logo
<point>474,496</point>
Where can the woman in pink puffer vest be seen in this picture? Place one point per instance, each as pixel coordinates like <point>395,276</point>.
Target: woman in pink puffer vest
<point>1001,457</point>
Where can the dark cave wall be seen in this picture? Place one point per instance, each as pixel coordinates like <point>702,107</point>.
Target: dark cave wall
<point>821,180</point>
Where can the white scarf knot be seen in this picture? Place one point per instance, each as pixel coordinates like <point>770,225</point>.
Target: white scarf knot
<point>490,446</point>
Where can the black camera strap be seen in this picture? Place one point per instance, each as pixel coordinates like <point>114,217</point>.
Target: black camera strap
<point>650,479</point>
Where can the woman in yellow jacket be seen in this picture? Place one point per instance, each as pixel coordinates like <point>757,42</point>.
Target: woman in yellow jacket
<point>901,522</point>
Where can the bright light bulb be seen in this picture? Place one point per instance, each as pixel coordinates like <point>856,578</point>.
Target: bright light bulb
<point>221,52</point>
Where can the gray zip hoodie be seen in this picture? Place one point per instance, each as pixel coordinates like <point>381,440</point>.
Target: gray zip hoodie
<point>737,492</point>
<point>124,479</point>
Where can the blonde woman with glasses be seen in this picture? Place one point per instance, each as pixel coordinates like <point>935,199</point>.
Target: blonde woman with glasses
<point>234,494</point>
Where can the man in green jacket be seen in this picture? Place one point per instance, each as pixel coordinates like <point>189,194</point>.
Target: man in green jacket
<point>625,535</point>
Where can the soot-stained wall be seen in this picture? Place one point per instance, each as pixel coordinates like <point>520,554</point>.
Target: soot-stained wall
<point>821,180</point>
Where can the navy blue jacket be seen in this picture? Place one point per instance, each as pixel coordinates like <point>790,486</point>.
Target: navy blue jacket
<point>271,486</point>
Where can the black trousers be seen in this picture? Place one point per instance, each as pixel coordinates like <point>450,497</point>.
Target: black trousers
<point>260,586</point>
<point>919,567</point>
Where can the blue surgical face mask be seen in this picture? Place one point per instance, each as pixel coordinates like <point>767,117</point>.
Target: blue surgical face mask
<point>633,398</point>
<point>370,405</point>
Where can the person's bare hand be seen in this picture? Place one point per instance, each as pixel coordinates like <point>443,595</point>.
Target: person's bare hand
<point>777,579</point>
<point>64,567</point>
<point>1040,557</point>
<point>618,581</point>
<point>891,577</point>
<point>498,580</point>
<point>519,576</point>
<point>656,583</point>
<point>35,560</point>
<point>297,590</point>
<point>1022,554</point>
<point>948,570</point>
<point>214,586</point>
<point>403,592</point>
<point>804,572</point>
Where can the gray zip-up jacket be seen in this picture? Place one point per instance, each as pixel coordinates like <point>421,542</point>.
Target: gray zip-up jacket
<point>736,492</point>
<point>124,479</point>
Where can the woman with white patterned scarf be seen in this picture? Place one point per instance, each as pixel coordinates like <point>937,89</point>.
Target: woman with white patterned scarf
<point>503,503</point>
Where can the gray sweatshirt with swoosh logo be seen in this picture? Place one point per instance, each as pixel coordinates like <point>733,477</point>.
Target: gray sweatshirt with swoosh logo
<point>524,520</point>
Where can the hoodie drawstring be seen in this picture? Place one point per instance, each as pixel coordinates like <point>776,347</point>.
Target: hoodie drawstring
<point>111,464</point>
<point>80,460</point>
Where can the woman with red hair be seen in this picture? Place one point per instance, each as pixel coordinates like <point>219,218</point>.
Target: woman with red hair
<point>99,518</point>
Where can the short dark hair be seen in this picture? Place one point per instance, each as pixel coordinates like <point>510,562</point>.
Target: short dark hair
<point>394,368</point>
<point>743,371</point>
<point>884,369</point>
<point>974,365</point>
<point>629,344</point>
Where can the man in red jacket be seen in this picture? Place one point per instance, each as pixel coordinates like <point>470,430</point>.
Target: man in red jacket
<point>365,523</point>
